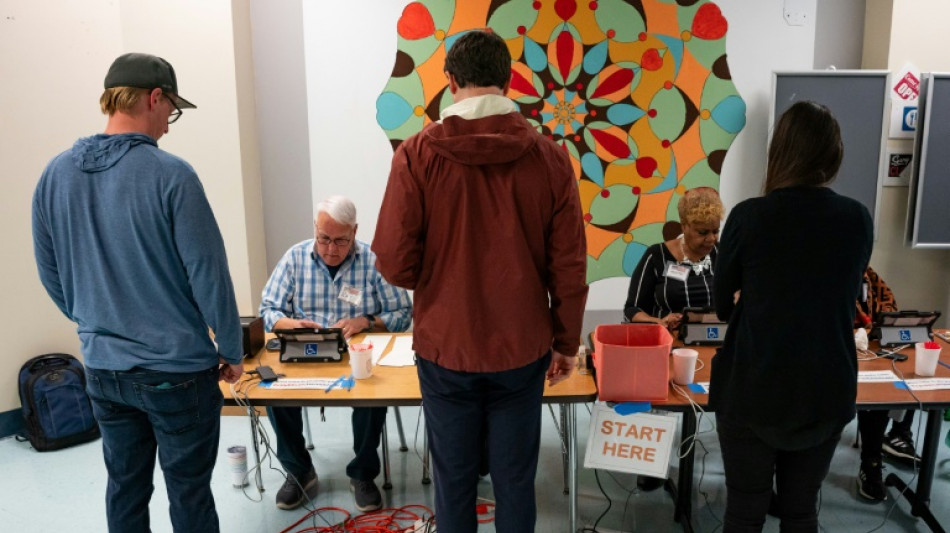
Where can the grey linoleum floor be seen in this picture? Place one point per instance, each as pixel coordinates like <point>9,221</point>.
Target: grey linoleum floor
<point>64,490</point>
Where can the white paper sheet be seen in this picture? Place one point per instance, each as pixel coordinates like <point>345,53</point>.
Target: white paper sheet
<point>401,354</point>
<point>379,342</point>
<point>876,376</point>
<point>300,383</point>
<point>928,383</point>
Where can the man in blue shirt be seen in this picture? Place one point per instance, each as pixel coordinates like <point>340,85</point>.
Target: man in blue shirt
<point>128,248</point>
<point>331,281</point>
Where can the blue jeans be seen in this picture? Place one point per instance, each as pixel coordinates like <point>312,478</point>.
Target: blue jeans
<point>463,411</point>
<point>179,415</point>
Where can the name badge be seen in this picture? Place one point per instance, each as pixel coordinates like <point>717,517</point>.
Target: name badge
<point>679,272</point>
<point>351,295</point>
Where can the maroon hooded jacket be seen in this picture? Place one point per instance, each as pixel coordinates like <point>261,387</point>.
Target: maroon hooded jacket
<point>481,218</point>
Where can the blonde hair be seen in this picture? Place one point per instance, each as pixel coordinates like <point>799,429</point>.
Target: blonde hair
<point>701,205</point>
<point>122,99</point>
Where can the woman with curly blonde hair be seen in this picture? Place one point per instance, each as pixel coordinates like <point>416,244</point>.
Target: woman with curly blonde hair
<point>678,273</point>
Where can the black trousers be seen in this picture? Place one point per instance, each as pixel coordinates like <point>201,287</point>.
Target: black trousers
<point>292,450</point>
<point>462,411</point>
<point>873,424</point>
<point>752,467</point>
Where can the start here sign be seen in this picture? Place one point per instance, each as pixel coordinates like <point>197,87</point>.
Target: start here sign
<point>640,443</point>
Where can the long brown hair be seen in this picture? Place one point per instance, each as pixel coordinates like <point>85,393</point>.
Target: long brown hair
<point>806,148</point>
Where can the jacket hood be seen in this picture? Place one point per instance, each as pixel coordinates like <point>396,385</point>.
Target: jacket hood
<point>101,152</point>
<point>488,140</point>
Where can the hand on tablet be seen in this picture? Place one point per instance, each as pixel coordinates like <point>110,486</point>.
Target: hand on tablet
<point>294,323</point>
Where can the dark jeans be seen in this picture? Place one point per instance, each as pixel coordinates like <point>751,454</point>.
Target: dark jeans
<point>751,465</point>
<point>292,448</point>
<point>179,415</point>
<point>873,424</point>
<point>463,409</point>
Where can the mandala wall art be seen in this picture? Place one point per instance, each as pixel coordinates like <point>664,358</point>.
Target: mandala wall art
<point>638,92</point>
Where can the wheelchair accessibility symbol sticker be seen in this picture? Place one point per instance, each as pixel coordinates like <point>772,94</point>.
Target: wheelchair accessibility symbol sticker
<point>712,334</point>
<point>905,335</point>
<point>310,349</point>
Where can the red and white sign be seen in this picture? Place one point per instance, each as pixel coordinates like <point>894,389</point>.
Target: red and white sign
<point>905,91</point>
<point>908,86</point>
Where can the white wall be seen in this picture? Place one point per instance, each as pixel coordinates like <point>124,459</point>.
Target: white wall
<point>53,57</point>
<point>281,86</point>
<point>836,48</point>
<point>342,88</point>
<point>918,277</point>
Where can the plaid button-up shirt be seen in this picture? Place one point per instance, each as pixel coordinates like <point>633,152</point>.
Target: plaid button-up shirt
<point>301,287</point>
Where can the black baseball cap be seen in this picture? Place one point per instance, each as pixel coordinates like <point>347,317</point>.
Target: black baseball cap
<point>145,71</point>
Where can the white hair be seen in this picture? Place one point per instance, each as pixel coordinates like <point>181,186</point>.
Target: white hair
<point>340,208</point>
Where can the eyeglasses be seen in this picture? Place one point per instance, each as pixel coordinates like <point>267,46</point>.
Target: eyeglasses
<point>176,114</point>
<point>339,243</point>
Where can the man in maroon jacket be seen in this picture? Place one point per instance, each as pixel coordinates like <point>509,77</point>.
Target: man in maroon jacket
<point>481,218</point>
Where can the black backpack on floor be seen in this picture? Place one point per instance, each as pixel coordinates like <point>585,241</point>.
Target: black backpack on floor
<point>56,411</point>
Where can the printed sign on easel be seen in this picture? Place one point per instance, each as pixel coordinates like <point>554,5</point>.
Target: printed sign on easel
<point>640,443</point>
<point>905,90</point>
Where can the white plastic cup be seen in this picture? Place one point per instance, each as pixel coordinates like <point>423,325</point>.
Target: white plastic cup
<point>237,462</point>
<point>361,360</point>
<point>925,360</point>
<point>684,365</point>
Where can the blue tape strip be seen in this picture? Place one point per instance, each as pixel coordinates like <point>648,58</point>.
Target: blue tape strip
<point>629,408</point>
<point>697,388</point>
<point>901,385</point>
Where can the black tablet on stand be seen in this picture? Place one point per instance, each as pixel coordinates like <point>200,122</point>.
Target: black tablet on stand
<point>306,345</point>
<point>904,327</point>
<point>700,325</point>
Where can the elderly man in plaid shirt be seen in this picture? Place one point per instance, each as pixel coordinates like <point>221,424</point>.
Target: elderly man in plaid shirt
<point>331,281</point>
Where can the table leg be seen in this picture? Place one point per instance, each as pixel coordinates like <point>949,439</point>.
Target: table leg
<point>251,415</point>
<point>565,461</point>
<point>402,436</point>
<point>308,438</point>
<point>683,495</point>
<point>570,434</point>
<point>920,499</point>
<point>387,480</point>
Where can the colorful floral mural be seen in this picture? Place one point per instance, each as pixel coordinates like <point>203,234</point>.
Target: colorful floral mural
<point>637,92</point>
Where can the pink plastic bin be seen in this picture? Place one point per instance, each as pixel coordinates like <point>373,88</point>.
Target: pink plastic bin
<point>632,362</point>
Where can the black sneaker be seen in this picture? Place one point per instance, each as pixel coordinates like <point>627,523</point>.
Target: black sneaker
<point>296,491</point>
<point>366,494</point>
<point>901,448</point>
<point>871,481</point>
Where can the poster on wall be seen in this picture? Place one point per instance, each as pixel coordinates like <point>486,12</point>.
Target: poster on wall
<point>638,94</point>
<point>905,90</point>
<point>898,166</point>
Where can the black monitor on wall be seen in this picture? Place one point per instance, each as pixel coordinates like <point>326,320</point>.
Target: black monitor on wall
<point>859,101</point>
<point>928,201</point>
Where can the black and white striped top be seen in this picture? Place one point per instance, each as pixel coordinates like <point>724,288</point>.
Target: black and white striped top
<point>652,292</point>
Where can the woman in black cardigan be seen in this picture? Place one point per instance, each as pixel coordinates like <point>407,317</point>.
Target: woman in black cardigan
<point>784,383</point>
